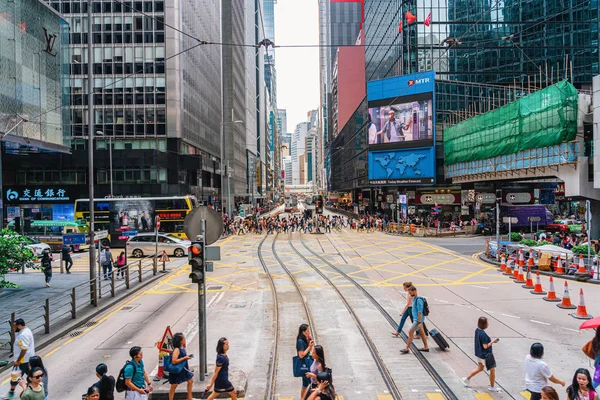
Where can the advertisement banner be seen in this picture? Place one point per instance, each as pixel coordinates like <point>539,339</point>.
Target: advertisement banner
<point>402,167</point>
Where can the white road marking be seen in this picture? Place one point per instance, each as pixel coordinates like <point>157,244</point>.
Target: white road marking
<point>480,287</point>
<point>569,329</point>
<point>488,311</point>
<point>539,322</point>
<point>462,305</point>
<point>442,301</point>
<point>511,316</point>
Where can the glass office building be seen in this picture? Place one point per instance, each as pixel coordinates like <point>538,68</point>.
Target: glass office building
<point>501,41</point>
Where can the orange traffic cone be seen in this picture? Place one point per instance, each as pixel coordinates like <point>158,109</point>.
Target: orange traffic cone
<point>551,292</point>
<point>559,266</point>
<point>566,300</point>
<point>516,272</point>
<point>508,270</point>
<point>530,262</point>
<point>161,367</point>
<point>503,263</point>
<point>521,258</point>
<point>581,269</point>
<point>520,276</point>
<point>581,310</point>
<point>538,284</point>
<point>529,282</point>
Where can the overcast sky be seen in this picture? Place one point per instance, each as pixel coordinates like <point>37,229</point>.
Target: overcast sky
<point>297,22</point>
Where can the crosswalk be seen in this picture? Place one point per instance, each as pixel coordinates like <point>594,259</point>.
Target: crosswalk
<point>428,396</point>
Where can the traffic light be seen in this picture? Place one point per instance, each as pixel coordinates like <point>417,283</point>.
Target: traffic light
<point>196,259</point>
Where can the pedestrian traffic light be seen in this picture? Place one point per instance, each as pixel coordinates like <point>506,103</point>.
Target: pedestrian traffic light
<point>196,259</point>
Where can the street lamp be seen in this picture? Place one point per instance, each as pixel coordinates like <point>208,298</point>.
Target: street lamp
<point>228,170</point>
<point>100,133</point>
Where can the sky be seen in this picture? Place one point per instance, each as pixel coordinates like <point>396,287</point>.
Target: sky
<point>297,22</point>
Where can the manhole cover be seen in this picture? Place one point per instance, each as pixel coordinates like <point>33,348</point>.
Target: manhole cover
<point>75,334</point>
<point>238,305</point>
<point>90,324</point>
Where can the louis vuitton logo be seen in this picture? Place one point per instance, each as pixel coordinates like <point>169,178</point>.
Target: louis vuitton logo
<point>50,42</point>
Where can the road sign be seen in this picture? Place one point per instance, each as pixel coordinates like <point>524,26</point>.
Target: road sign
<point>486,198</point>
<point>164,257</point>
<point>166,344</point>
<point>214,224</point>
<point>157,222</point>
<point>100,235</point>
<point>76,238</point>
<point>129,233</point>
<point>510,220</point>
<point>534,219</point>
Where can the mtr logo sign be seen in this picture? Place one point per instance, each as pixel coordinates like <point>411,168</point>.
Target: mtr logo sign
<point>413,82</point>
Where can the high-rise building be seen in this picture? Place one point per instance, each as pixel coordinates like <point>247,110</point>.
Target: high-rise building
<point>297,151</point>
<point>159,119</point>
<point>282,121</point>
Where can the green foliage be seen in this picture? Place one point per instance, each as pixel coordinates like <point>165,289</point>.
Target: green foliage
<point>528,243</point>
<point>583,249</point>
<point>543,243</point>
<point>516,237</point>
<point>13,254</point>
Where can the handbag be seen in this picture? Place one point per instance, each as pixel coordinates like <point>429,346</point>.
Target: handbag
<point>597,374</point>
<point>587,349</point>
<point>301,366</point>
<point>170,367</point>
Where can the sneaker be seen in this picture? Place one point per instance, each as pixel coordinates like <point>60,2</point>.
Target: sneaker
<point>10,395</point>
<point>494,389</point>
<point>466,382</point>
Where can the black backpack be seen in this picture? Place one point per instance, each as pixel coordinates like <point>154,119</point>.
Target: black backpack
<point>425,306</point>
<point>120,384</point>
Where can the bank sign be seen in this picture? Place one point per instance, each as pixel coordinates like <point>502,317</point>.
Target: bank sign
<point>37,194</point>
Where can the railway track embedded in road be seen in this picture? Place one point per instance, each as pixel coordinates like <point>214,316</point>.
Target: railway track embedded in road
<point>440,382</point>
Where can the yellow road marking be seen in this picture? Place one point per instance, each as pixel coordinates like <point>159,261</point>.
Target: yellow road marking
<point>434,396</point>
<point>483,396</point>
<point>384,397</point>
<point>527,395</point>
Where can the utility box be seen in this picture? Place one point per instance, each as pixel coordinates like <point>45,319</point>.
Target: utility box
<point>212,253</point>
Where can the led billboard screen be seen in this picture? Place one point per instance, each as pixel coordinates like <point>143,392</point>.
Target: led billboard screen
<point>402,167</point>
<point>401,122</point>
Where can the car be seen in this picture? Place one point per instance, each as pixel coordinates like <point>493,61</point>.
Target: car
<point>565,226</point>
<point>144,244</point>
<point>36,246</point>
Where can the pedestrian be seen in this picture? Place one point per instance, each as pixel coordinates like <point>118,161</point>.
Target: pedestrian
<point>406,311</point>
<point>23,350</point>
<point>66,257</point>
<point>220,378</point>
<point>93,393</point>
<point>537,372</point>
<point>592,350</point>
<point>180,357</point>
<point>34,390</point>
<point>107,263</point>
<point>121,259</point>
<point>548,393</point>
<point>418,321</point>
<point>325,389</point>
<point>36,362</point>
<point>316,367</point>
<point>305,345</point>
<point>46,263</point>
<point>581,388</point>
<point>106,384</point>
<point>484,354</point>
<point>136,379</point>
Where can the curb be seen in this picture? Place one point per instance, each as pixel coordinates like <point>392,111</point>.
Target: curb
<point>46,340</point>
<point>546,273</point>
<point>459,236</point>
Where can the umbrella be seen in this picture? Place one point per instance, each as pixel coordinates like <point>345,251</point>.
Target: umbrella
<point>591,323</point>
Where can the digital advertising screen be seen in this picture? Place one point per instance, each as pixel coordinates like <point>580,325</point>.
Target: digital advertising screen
<point>402,167</point>
<point>401,122</point>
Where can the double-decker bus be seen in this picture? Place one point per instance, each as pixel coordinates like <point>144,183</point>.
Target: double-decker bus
<point>125,217</point>
<point>51,232</point>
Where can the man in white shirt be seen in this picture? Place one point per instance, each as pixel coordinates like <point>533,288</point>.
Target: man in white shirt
<point>23,350</point>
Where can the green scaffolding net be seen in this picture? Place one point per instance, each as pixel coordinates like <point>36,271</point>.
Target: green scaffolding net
<point>545,118</point>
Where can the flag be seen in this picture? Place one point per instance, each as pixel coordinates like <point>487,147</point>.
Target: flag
<point>22,26</point>
<point>410,18</point>
<point>427,21</point>
<point>400,27</point>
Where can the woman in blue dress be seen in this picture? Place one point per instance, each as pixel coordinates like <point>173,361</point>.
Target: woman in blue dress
<point>221,376</point>
<point>180,356</point>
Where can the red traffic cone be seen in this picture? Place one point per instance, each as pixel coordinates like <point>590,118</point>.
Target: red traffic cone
<point>551,292</point>
<point>538,284</point>
<point>503,263</point>
<point>529,281</point>
<point>581,310</point>
<point>161,367</point>
<point>521,258</point>
<point>530,262</point>
<point>566,300</point>
<point>520,276</point>
<point>581,269</point>
<point>559,266</point>
<point>508,270</point>
<point>516,272</point>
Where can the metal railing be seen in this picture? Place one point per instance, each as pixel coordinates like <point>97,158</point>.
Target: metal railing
<point>46,316</point>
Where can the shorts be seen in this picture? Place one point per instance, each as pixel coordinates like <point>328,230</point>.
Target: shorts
<point>415,326</point>
<point>489,362</point>
<point>131,395</point>
<point>306,382</point>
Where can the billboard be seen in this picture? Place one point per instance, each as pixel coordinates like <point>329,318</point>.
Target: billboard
<point>401,122</point>
<point>402,167</point>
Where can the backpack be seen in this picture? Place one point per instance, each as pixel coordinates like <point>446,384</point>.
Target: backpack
<point>46,262</point>
<point>120,383</point>
<point>102,257</point>
<point>425,306</point>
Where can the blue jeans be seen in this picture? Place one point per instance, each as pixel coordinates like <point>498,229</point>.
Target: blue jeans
<point>405,315</point>
<point>107,270</point>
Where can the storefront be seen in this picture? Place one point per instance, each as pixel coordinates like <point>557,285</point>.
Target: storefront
<point>36,202</point>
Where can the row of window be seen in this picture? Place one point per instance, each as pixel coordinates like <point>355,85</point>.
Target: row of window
<point>116,24</point>
<point>119,68</point>
<point>117,85</point>
<point>126,37</point>
<point>103,144</point>
<point>128,54</point>
<point>121,116</point>
<point>133,175</point>
<point>126,6</point>
<point>46,177</point>
<point>119,99</point>
<point>142,130</point>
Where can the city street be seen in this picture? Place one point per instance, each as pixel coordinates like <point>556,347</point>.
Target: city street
<point>459,289</point>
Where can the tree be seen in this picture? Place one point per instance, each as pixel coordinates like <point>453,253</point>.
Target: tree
<point>13,255</point>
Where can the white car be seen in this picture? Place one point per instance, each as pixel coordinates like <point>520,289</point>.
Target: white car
<point>34,245</point>
<point>144,244</point>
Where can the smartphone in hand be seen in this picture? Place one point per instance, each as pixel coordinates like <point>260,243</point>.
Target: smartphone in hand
<point>191,356</point>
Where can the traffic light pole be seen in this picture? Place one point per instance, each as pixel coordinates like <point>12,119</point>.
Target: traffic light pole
<point>202,312</point>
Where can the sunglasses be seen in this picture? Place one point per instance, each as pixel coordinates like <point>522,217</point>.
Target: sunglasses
<point>37,376</point>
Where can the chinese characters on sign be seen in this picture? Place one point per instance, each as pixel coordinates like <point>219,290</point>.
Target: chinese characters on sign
<point>32,194</point>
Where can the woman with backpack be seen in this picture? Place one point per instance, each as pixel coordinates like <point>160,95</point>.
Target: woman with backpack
<point>106,384</point>
<point>180,358</point>
<point>121,265</point>
<point>46,263</point>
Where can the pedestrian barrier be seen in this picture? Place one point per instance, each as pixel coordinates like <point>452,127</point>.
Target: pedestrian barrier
<point>51,314</point>
<point>566,300</point>
<point>581,312</point>
<point>529,283</point>
<point>552,292</point>
<point>538,285</point>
